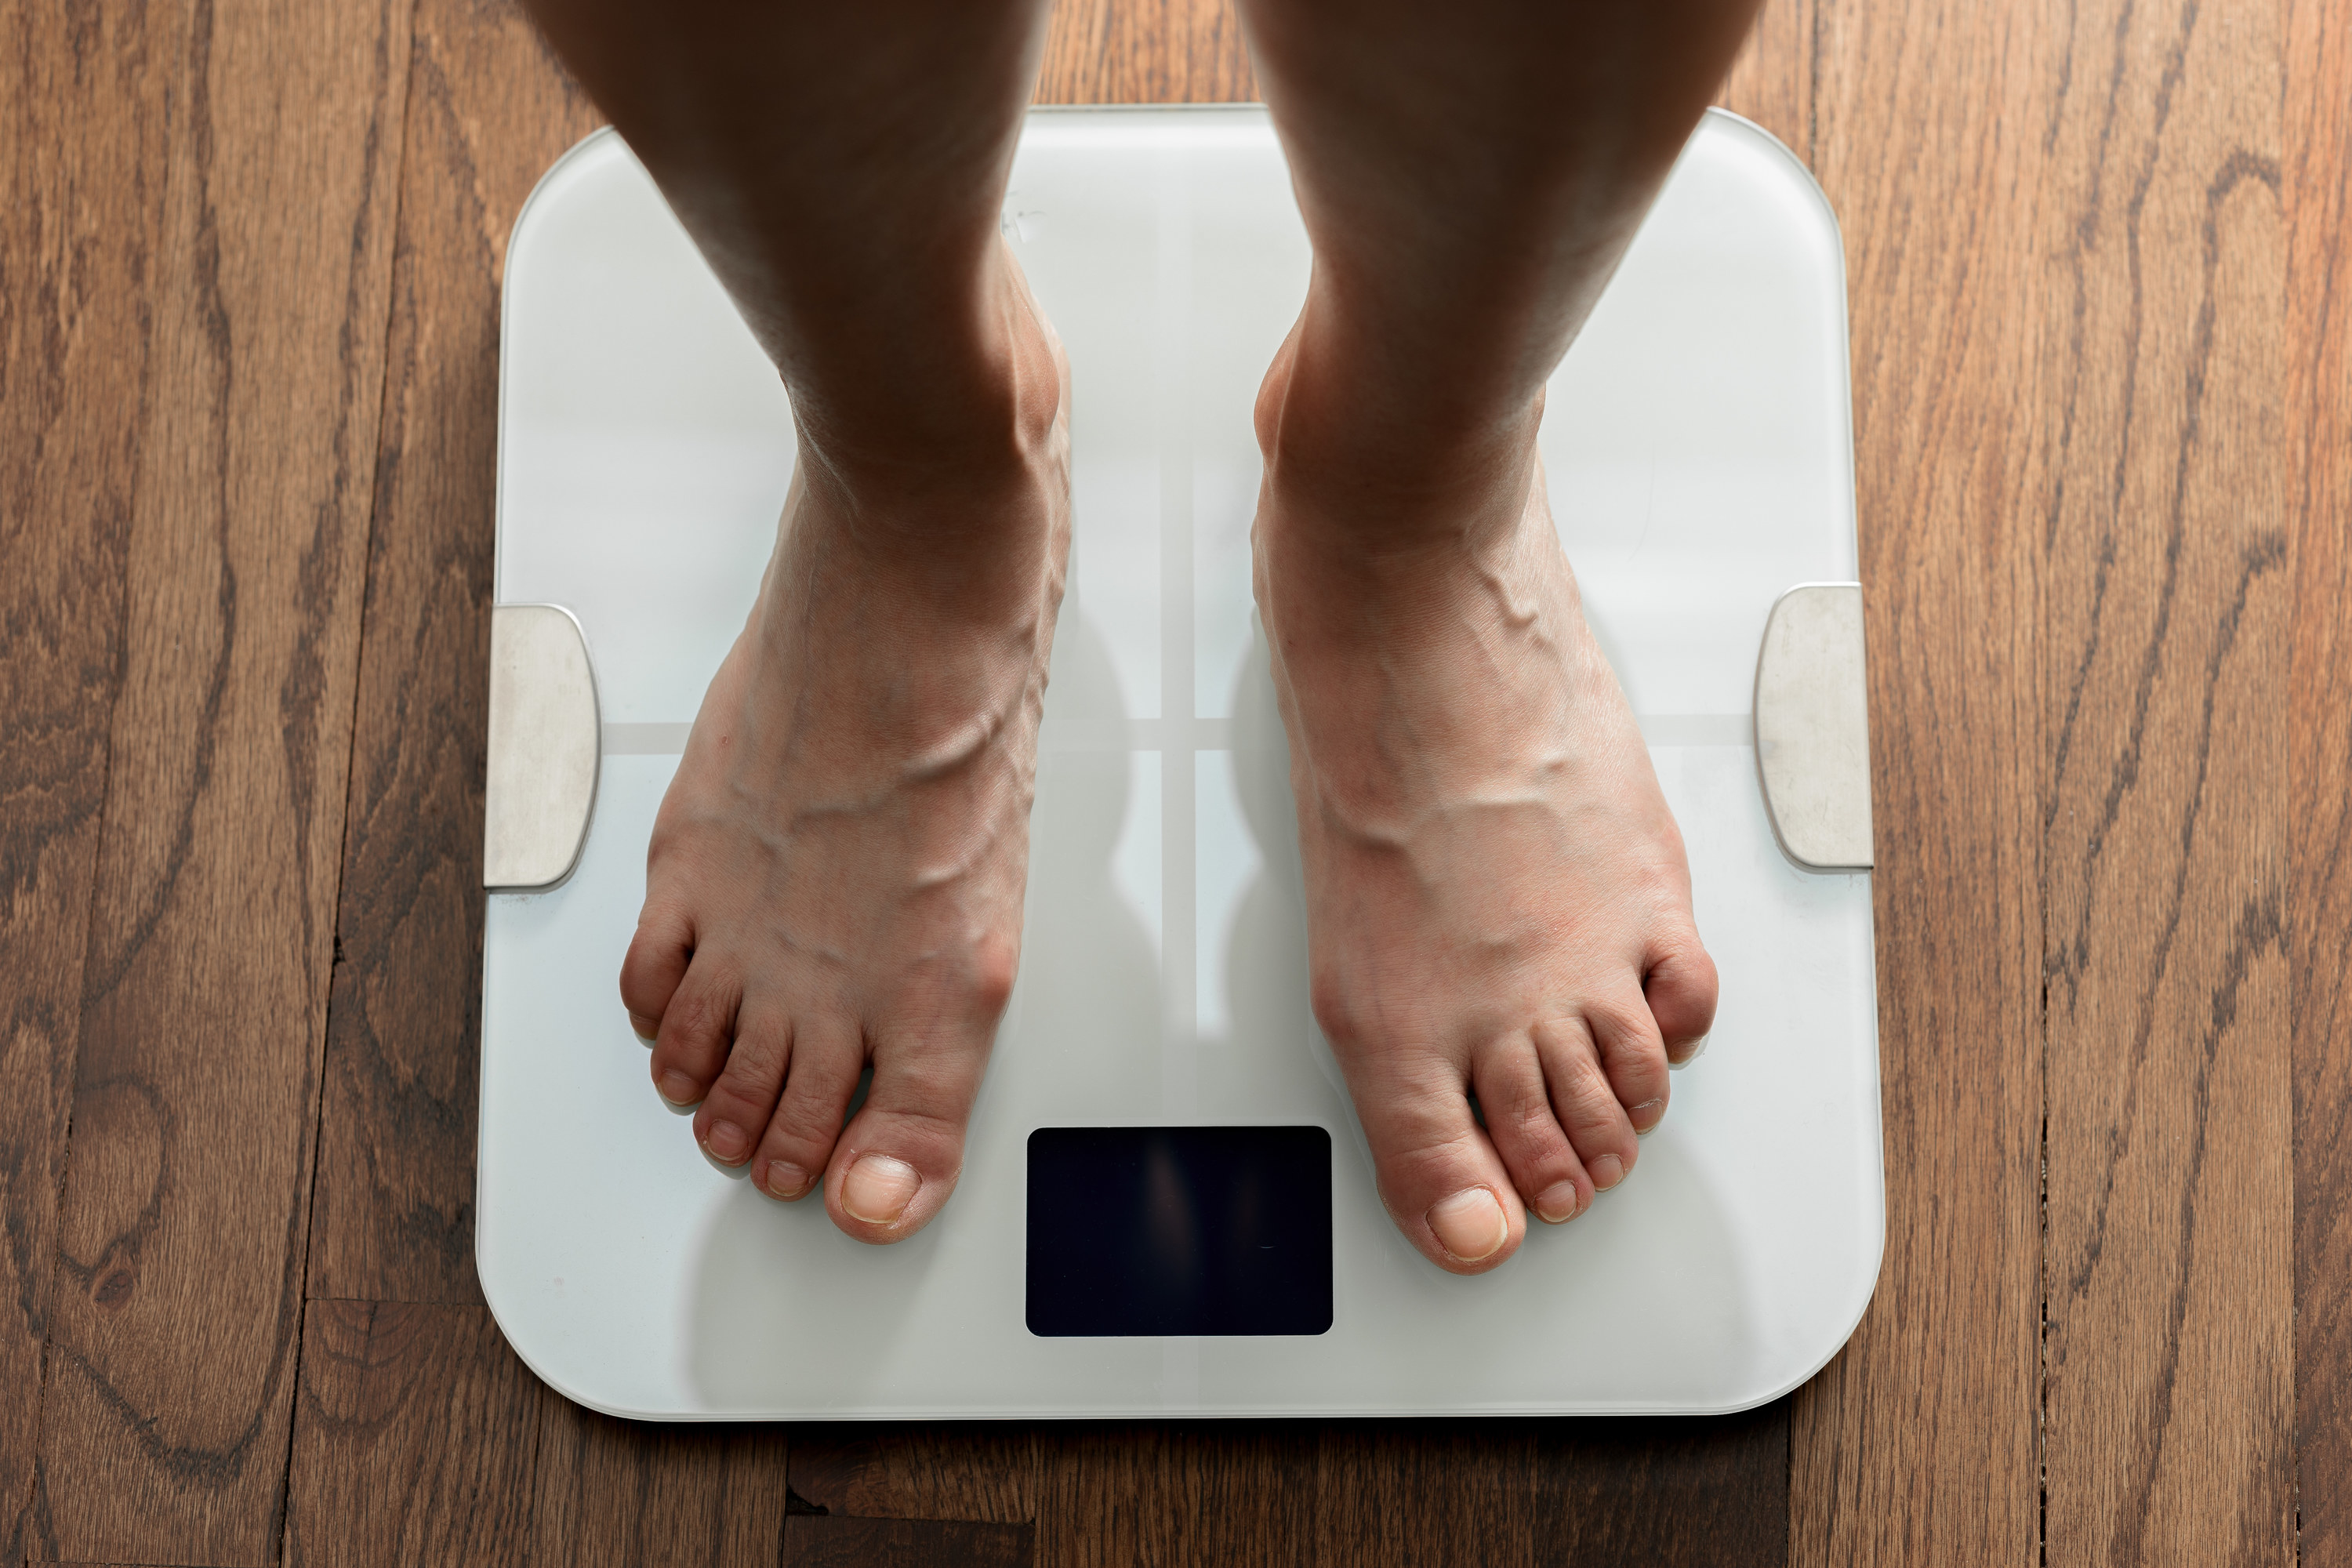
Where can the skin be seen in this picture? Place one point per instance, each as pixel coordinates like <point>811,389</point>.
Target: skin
<point>1498,899</point>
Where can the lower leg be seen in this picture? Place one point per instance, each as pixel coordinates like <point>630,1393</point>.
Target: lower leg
<point>1499,904</point>
<point>841,168</point>
<point>1470,177</point>
<point>835,874</point>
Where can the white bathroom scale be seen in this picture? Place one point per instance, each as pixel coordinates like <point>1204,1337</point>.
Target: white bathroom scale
<point>1158,1053</point>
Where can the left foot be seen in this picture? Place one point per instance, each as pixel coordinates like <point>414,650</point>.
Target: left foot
<point>1497,901</point>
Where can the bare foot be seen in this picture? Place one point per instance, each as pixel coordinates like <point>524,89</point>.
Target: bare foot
<point>1497,901</point>
<point>835,877</point>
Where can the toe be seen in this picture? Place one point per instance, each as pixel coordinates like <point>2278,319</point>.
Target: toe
<point>698,1030</point>
<point>742,1101</point>
<point>898,1159</point>
<point>1583,1101</point>
<point>1634,1060</point>
<point>1440,1177</point>
<point>1543,1164</point>
<point>818,1082</point>
<point>1680,987</point>
<point>657,960</point>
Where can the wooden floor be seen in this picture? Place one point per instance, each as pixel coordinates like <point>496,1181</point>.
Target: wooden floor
<point>2100,262</point>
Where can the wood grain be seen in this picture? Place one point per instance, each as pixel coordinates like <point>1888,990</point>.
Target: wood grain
<point>1394,1492</point>
<point>1192,51</point>
<point>2317,195</point>
<point>414,1440</point>
<point>2167,1285</point>
<point>1169,1492</point>
<point>1145,51</point>
<point>1666,1493</point>
<point>813,1543</point>
<point>181,1228</point>
<point>489,110</point>
<point>984,1471</point>
<point>655,1497</point>
<point>1711,1493</point>
<point>422,1439</point>
<point>85,100</point>
<point>1241,1492</point>
<point>1916,1444</point>
<point>1771,81</point>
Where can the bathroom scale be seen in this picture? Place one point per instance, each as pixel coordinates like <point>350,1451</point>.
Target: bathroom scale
<point>1229,1255</point>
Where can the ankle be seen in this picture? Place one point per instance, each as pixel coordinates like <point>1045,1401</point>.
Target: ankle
<point>982,423</point>
<point>1389,475</point>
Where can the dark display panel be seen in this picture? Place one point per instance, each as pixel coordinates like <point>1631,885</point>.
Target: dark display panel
<point>1180,1230</point>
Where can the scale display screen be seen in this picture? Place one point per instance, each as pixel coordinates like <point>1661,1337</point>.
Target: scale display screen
<point>1180,1230</point>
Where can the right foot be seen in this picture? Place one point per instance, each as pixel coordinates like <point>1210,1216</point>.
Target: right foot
<point>836,873</point>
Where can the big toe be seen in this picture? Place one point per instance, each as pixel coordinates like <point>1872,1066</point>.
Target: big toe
<point>897,1161</point>
<point>1443,1183</point>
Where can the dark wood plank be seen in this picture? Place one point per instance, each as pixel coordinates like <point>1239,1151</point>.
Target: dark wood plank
<point>1243,1492</point>
<point>651,1496</point>
<point>1710,1492</point>
<point>1106,1497</point>
<point>1145,51</point>
<point>1916,1444</point>
<point>414,1440</point>
<point>1413,1493</point>
<point>1213,1492</point>
<point>1681,1492</point>
<point>2317,195</point>
<point>489,110</point>
<point>1180,1493</point>
<point>84,100</point>
<point>813,1543</point>
<point>181,1227</point>
<point>2168,1284</point>
<point>984,1471</point>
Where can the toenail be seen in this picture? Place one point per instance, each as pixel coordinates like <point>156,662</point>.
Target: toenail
<point>879,1188</point>
<point>727,1142</point>
<point>1558,1203</point>
<point>677,1088</point>
<point>1698,1049</point>
<point>786,1180</point>
<point>1659,1105</point>
<point>1470,1225</point>
<point>646,1028</point>
<point>1607,1171</point>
